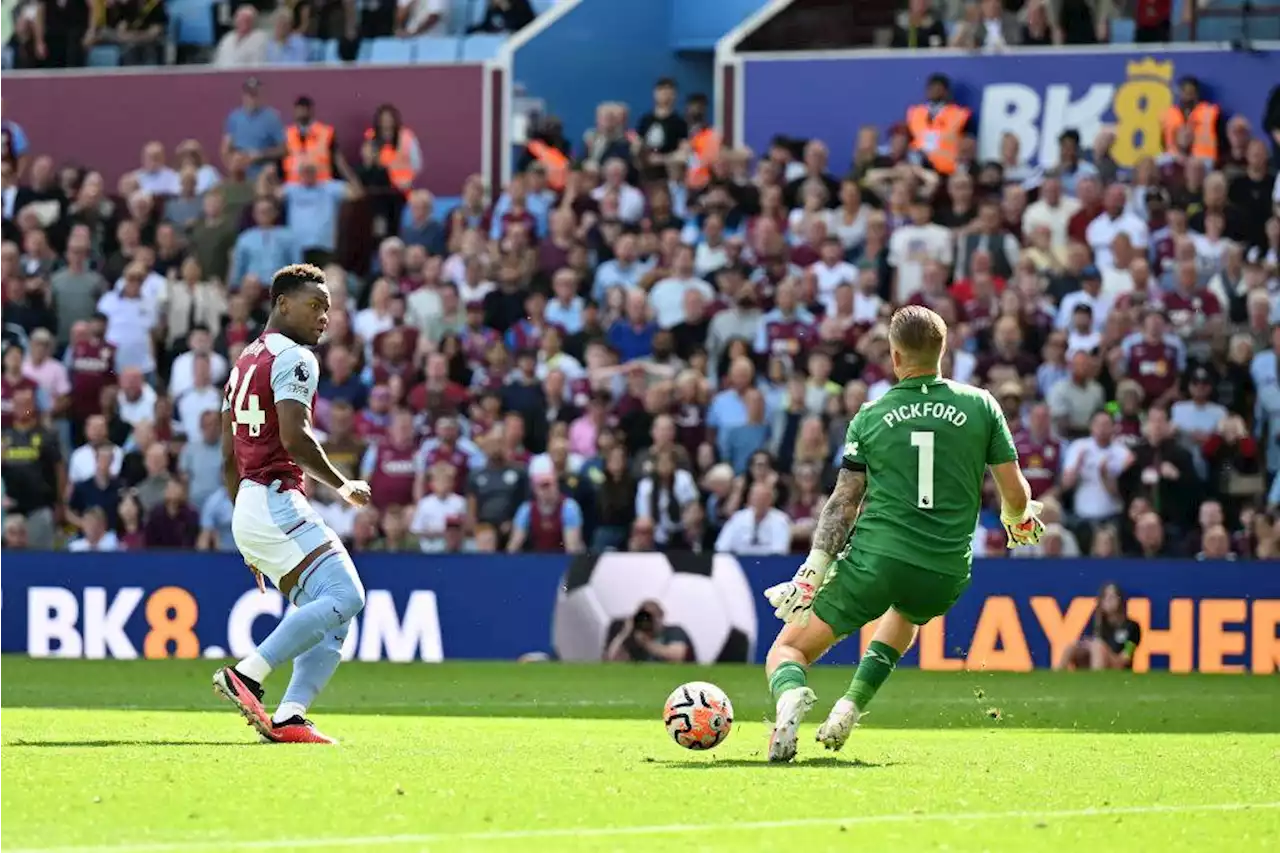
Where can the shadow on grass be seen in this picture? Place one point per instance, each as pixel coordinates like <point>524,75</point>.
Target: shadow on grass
<point>108,744</point>
<point>824,762</point>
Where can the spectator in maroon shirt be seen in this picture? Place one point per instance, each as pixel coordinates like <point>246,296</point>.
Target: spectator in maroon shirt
<point>1039,452</point>
<point>1089,192</point>
<point>173,523</point>
<point>11,381</point>
<point>1194,312</point>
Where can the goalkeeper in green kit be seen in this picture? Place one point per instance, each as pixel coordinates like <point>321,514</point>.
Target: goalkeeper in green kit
<point>913,463</point>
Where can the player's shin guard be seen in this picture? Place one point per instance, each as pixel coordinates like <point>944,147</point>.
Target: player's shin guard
<point>336,597</point>
<point>311,672</point>
<point>874,668</point>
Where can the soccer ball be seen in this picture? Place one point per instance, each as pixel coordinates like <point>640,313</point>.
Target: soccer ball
<point>698,715</point>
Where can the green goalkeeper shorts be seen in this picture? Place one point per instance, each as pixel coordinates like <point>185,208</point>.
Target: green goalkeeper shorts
<point>861,587</point>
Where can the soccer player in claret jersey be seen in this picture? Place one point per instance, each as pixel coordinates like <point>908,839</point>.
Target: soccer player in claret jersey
<point>267,444</point>
<point>913,464</point>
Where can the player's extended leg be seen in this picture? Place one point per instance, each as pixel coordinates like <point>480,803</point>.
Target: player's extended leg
<point>894,635</point>
<point>336,596</point>
<point>311,672</point>
<point>794,651</point>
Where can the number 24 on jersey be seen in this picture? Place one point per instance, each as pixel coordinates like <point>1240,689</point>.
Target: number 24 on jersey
<point>246,409</point>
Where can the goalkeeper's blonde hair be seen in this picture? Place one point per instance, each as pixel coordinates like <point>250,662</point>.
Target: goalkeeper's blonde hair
<point>919,333</point>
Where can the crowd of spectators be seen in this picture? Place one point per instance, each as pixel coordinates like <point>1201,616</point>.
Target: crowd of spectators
<point>61,33</point>
<point>647,339</point>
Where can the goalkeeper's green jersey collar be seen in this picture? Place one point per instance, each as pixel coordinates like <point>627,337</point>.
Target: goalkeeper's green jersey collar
<point>917,381</point>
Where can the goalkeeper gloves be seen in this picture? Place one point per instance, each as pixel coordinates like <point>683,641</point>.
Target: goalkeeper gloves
<point>793,600</point>
<point>1025,529</point>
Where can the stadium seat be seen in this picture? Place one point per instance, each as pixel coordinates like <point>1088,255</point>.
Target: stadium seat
<point>8,58</point>
<point>435,49</point>
<point>1122,31</point>
<point>446,204</point>
<point>481,47</point>
<point>391,51</point>
<point>191,22</point>
<point>104,56</point>
<point>542,6</point>
<point>316,49</point>
<point>464,14</point>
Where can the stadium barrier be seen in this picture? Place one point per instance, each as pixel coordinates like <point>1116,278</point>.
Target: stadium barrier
<point>1035,94</point>
<point>1017,615</point>
<point>450,107</point>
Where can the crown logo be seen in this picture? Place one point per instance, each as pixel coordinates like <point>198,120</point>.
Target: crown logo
<point>1150,69</point>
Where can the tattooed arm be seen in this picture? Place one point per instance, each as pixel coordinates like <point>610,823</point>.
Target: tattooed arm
<point>838,513</point>
<point>793,600</point>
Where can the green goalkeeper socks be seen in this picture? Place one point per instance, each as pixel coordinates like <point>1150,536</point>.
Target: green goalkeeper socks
<point>785,677</point>
<point>875,666</point>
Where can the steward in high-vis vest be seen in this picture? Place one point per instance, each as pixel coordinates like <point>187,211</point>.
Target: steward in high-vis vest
<point>938,125</point>
<point>395,148</point>
<point>1205,120</point>
<point>308,140</point>
<point>704,142</point>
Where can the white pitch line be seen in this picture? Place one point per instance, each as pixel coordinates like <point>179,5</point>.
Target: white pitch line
<point>660,829</point>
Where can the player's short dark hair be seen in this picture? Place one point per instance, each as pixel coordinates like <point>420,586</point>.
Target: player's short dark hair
<point>919,333</point>
<point>293,278</point>
<point>665,83</point>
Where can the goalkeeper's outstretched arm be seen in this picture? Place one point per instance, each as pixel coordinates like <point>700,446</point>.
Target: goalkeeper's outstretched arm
<point>1015,491</point>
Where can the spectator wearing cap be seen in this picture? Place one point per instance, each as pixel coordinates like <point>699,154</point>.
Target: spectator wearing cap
<point>1081,334</point>
<point>1197,418</point>
<point>917,27</point>
<point>1075,400</point>
<point>245,46</point>
<point>252,128</point>
<point>758,528</point>
<point>1073,168</point>
<point>548,522</point>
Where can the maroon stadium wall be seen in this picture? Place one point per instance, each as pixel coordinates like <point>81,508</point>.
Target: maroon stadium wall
<point>101,119</point>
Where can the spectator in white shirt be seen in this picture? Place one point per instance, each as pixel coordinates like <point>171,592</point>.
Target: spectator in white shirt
<point>203,396</point>
<point>136,400</point>
<point>667,296</point>
<point>912,245</point>
<point>712,250</point>
<point>1113,220</point>
<point>182,373</point>
<point>631,202</point>
<point>1090,293</point>
<point>662,496</point>
<point>94,535</point>
<point>830,271</point>
<point>419,17</point>
<point>83,463</point>
<point>434,510</point>
<point>246,45</point>
<point>757,529</point>
<point>130,321</point>
<point>155,177</point>
<point>1053,210</point>
<point>1092,467</point>
<point>1117,279</point>
<point>154,285</point>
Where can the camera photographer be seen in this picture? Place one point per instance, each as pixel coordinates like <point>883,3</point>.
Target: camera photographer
<point>645,637</point>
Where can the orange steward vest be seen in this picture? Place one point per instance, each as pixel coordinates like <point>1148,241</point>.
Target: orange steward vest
<point>938,138</point>
<point>316,146</point>
<point>552,160</point>
<point>1204,129</point>
<point>705,150</point>
<point>395,159</point>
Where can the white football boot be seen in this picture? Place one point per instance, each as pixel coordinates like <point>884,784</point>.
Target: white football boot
<point>839,724</point>
<point>793,704</point>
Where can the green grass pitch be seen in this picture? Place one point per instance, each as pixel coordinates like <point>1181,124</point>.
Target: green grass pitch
<point>140,756</point>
